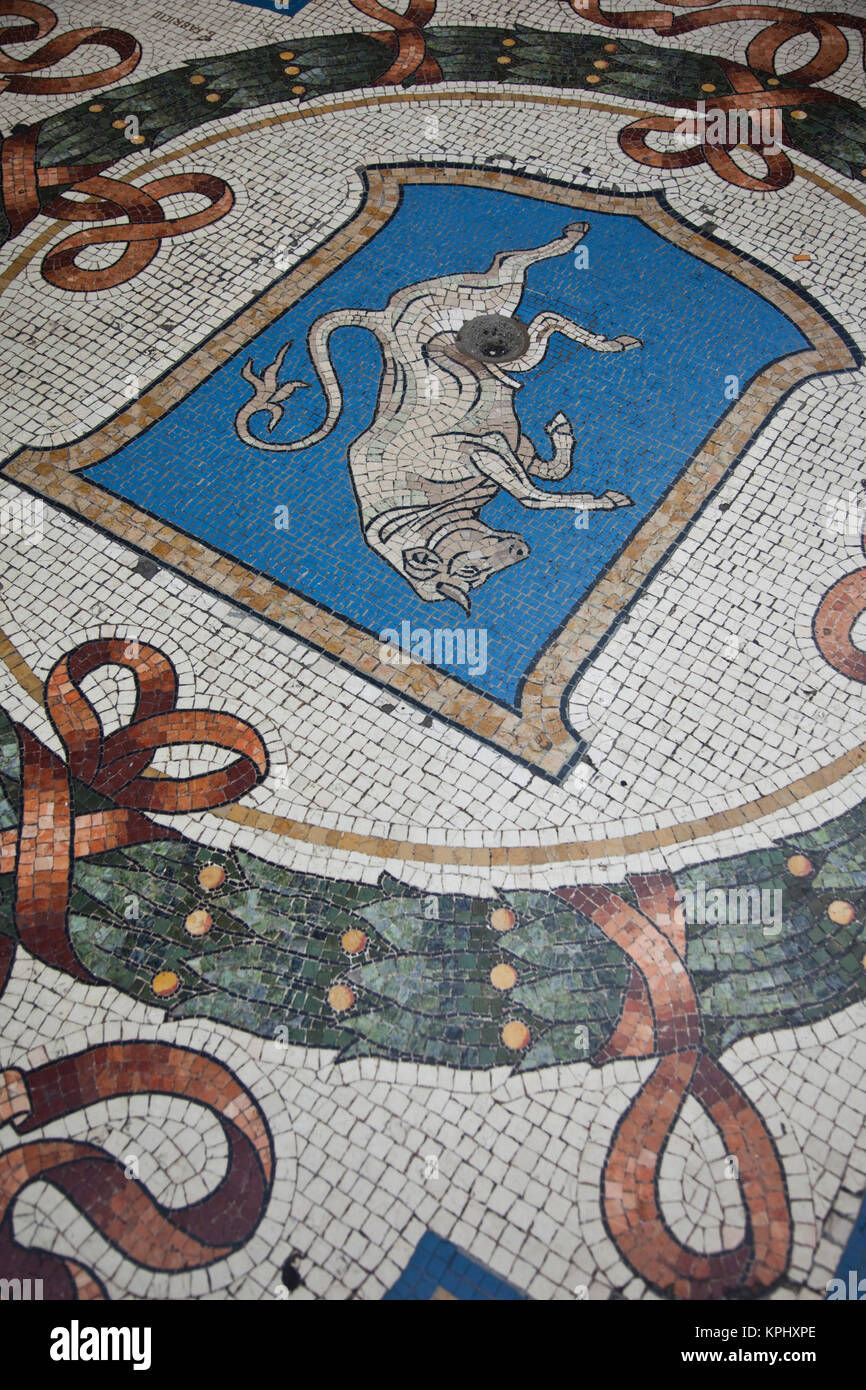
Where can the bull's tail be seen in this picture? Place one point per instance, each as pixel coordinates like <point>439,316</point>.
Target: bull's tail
<point>269,395</point>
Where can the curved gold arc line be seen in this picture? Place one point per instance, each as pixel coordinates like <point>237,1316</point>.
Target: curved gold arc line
<point>513,856</point>
<point>23,260</point>
<point>386,99</point>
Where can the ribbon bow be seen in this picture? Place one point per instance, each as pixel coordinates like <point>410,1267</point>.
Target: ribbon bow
<point>49,837</point>
<point>747,80</point>
<point>661,1018</point>
<point>104,1188</point>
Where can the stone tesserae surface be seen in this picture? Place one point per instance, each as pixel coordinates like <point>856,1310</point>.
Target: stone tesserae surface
<point>432,829</point>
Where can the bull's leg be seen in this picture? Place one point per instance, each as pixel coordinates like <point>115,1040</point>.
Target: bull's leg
<point>511,266</point>
<point>493,456</point>
<point>503,283</point>
<point>543,327</point>
<point>560,464</point>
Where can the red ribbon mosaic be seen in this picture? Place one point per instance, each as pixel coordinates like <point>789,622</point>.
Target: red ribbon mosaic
<point>408,44</point>
<point>834,620</point>
<point>17,74</point>
<point>104,1188</point>
<point>41,850</point>
<point>144,228</point>
<point>661,1018</point>
<point>749,81</point>
<point>21,180</point>
<point>40,853</point>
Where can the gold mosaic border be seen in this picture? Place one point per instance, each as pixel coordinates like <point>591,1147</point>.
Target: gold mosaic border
<point>537,735</point>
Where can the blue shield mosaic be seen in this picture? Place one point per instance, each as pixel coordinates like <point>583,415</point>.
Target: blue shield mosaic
<point>633,420</point>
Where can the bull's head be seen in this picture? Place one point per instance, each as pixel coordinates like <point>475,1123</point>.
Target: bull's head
<point>454,562</point>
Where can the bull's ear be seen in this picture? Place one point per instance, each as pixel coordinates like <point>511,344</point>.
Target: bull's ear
<point>421,563</point>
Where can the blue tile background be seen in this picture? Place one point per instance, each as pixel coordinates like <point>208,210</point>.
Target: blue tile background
<point>639,416</point>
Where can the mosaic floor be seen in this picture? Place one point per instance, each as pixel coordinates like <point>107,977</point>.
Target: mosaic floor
<point>432,753</point>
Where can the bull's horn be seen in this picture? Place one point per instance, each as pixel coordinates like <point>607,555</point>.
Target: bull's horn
<point>456,595</point>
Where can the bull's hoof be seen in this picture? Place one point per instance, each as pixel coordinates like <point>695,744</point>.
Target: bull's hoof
<point>560,424</point>
<point>617,499</point>
<point>577,229</point>
<point>628,342</point>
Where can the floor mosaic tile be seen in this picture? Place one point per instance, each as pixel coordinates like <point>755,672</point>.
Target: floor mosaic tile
<point>438,1272</point>
<point>432,652</point>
